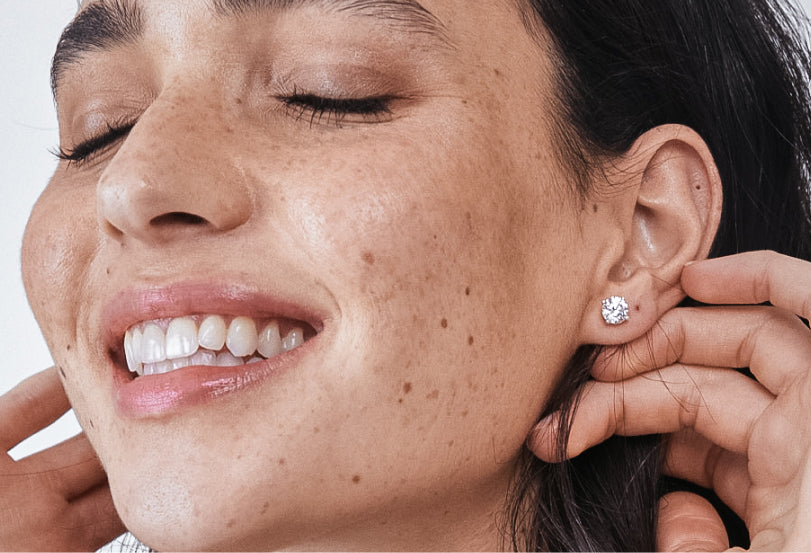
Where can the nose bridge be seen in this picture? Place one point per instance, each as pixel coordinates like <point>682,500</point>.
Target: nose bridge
<point>172,176</point>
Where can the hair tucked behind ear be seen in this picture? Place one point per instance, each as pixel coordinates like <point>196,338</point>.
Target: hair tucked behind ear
<point>738,73</point>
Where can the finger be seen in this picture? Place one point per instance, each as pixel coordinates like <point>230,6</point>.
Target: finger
<point>771,341</point>
<point>72,467</point>
<point>688,522</point>
<point>94,521</point>
<point>721,405</point>
<point>31,406</point>
<point>691,457</point>
<point>752,277</point>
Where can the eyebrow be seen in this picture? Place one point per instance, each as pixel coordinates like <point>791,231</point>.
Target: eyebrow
<point>102,25</point>
<point>105,24</point>
<point>409,14</point>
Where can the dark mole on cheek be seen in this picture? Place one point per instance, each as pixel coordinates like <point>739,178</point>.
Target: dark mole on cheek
<point>444,323</point>
<point>467,291</point>
<point>368,258</point>
<point>407,388</point>
<point>356,479</point>
<point>470,340</point>
<point>68,347</point>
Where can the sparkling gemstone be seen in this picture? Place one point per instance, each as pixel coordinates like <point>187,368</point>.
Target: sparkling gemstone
<point>615,310</point>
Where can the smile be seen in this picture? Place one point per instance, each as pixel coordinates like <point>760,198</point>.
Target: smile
<point>187,344</point>
<point>165,345</point>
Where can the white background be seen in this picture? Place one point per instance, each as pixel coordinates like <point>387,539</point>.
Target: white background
<point>29,30</point>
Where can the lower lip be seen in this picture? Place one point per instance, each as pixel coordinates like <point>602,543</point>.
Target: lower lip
<point>163,394</point>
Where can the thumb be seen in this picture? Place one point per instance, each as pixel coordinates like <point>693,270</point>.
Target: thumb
<point>688,522</point>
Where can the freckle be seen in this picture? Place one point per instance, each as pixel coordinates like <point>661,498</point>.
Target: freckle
<point>433,395</point>
<point>595,208</point>
<point>68,348</point>
<point>470,340</point>
<point>231,523</point>
<point>444,323</point>
<point>265,507</point>
<point>636,308</point>
<point>407,388</point>
<point>465,413</point>
<point>450,443</point>
<point>108,270</point>
<point>497,72</point>
<point>368,258</point>
<point>239,457</point>
<point>316,430</point>
<point>467,291</point>
<point>282,461</point>
<point>356,479</point>
<point>400,400</point>
<point>238,101</point>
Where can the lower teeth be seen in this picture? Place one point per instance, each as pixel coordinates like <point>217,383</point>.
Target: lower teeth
<point>202,357</point>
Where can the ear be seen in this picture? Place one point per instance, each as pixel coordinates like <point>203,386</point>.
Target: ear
<point>661,208</point>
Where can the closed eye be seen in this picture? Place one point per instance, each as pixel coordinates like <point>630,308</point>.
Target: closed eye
<point>336,111</point>
<point>87,150</point>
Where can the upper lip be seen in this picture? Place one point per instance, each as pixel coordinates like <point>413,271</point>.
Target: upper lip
<point>134,305</point>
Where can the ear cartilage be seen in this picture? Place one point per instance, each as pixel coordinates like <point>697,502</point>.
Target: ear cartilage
<point>615,310</point>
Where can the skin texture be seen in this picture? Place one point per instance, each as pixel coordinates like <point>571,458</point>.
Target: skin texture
<point>454,265</point>
<point>406,233</point>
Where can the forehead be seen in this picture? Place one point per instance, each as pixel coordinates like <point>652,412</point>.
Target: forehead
<point>104,24</point>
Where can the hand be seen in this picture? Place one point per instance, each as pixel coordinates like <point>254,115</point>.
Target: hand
<point>746,439</point>
<point>58,499</point>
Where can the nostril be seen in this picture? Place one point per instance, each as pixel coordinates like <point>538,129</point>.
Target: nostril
<point>178,218</point>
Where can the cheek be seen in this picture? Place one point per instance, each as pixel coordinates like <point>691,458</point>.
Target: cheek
<point>426,248</point>
<point>58,246</point>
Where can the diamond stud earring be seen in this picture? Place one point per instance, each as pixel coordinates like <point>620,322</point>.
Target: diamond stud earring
<point>615,310</point>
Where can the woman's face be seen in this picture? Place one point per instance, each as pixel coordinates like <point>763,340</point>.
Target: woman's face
<point>380,178</point>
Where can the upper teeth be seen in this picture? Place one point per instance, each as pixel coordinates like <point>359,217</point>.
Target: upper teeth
<point>157,347</point>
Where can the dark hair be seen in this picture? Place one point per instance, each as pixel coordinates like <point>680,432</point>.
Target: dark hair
<point>738,73</point>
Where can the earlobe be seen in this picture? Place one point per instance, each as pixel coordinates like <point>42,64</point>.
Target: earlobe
<point>665,212</point>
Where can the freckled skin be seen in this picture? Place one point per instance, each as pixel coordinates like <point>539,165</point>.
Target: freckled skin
<point>379,220</point>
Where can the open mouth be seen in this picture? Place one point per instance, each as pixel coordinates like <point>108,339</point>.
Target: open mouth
<point>165,345</point>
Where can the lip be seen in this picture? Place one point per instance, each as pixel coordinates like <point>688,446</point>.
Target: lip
<point>161,395</point>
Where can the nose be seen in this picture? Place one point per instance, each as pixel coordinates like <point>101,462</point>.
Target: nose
<point>173,178</point>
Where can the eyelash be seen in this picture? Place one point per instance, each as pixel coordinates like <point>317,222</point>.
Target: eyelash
<point>373,109</point>
<point>86,151</point>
